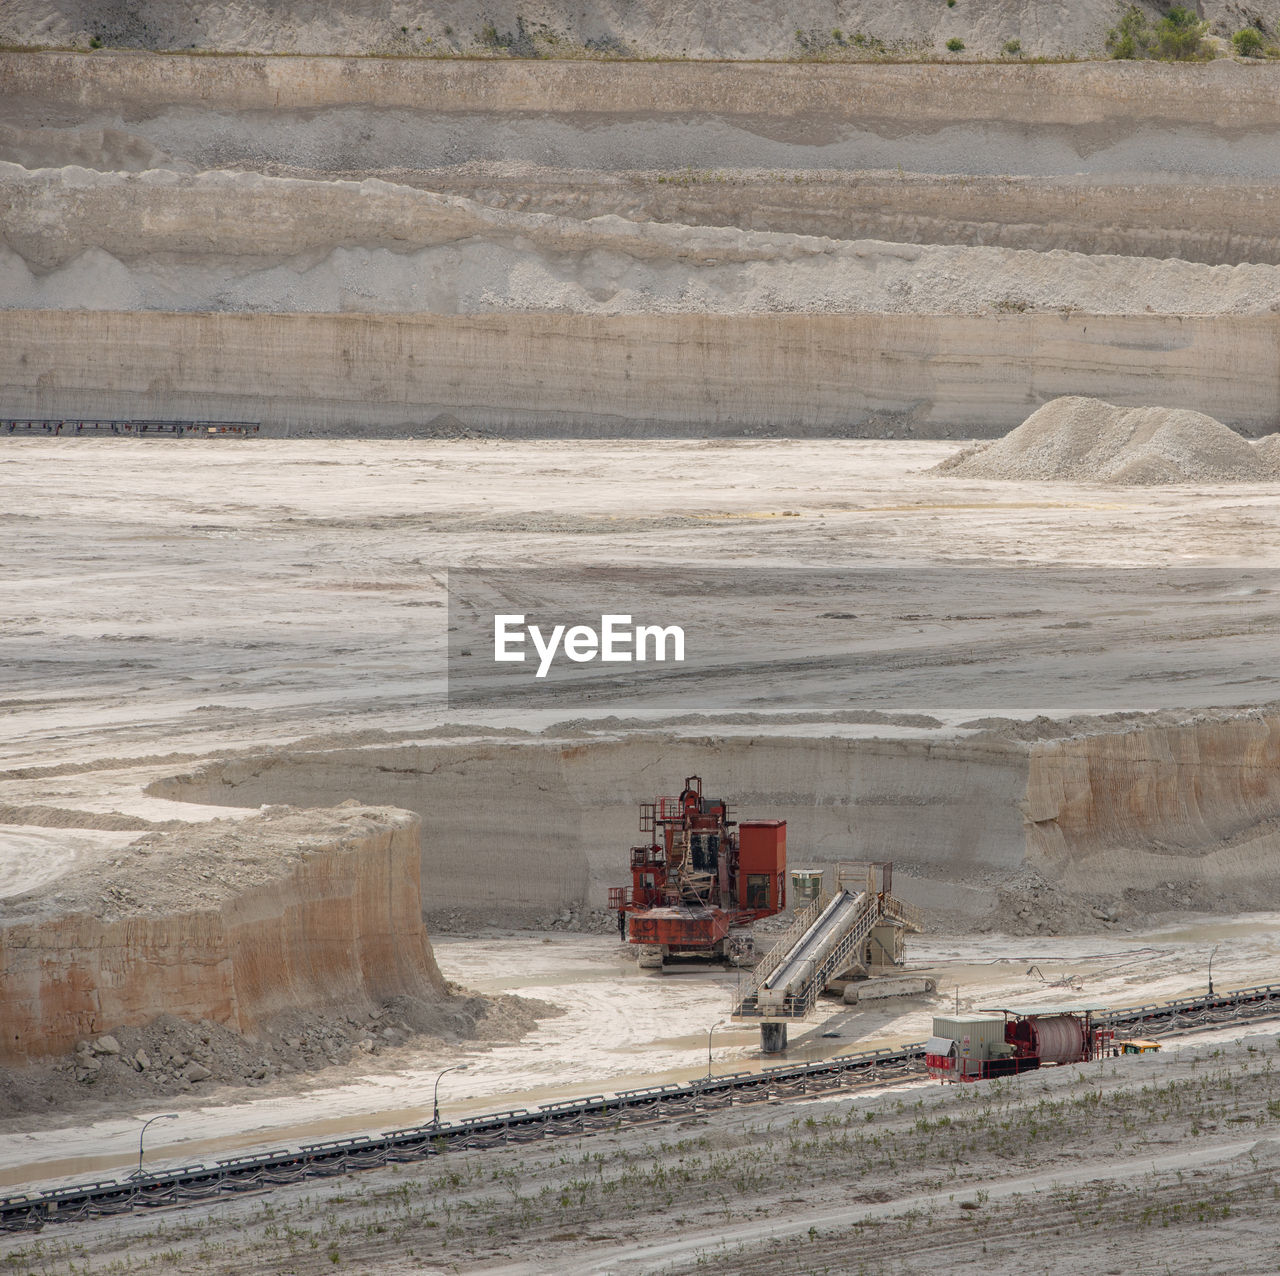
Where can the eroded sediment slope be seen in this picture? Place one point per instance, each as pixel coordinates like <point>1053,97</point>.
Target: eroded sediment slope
<point>79,239</point>
<point>231,921</point>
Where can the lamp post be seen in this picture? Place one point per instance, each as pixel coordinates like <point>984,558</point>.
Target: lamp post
<point>164,1116</point>
<point>719,1023</point>
<point>435,1097</point>
<point>1215,949</point>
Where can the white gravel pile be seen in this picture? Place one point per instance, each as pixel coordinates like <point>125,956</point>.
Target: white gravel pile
<point>1268,453</point>
<point>1086,440</point>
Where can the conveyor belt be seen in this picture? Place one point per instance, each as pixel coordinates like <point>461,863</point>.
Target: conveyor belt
<point>823,941</point>
<point>839,930</point>
<point>60,427</point>
<point>263,1171</point>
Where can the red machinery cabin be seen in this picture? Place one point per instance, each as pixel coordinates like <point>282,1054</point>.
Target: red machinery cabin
<point>762,865</point>
<point>702,879</point>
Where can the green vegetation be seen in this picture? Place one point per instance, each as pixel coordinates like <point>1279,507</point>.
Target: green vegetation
<point>1249,43</point>
<point>955,44</point>
<point>1013,48</point>
<point>1177,37</point>
<point>837,45</point>
<point>466,1208</point>
<point>518,43</point>
<point>1180,35</point>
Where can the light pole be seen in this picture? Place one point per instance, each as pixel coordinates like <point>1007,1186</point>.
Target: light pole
<point>1215,949</point>
<point>435,1098</point>
<point>719,1023</point>
<point>164,1116</point>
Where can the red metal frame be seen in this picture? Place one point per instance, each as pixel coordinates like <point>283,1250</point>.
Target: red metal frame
<point>688,885</point>
<point>1020,1032</point>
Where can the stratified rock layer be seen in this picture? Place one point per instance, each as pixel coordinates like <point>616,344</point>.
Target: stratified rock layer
<point>233,922</point>
<point>1161,808</point>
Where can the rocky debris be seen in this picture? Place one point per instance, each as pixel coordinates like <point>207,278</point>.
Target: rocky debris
<point>172,1056</point>
<point>573,918</point>
<point>1033,905</point>
<point>1085,440</point>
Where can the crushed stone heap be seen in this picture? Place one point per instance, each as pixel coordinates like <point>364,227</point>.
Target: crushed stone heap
<point>1086,440</point>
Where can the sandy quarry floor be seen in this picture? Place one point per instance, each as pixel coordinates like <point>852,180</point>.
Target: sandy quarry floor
<point>182,598</point>
<point>1162,1163</point>
<point>177,600</point>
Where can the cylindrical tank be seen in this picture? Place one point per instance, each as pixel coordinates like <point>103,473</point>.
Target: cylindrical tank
<point>1060,1039</point>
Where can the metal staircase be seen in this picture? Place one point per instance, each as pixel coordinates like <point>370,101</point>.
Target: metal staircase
<point>825,939</point>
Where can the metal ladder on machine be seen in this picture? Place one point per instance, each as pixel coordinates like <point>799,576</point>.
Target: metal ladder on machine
<point>823,941</point>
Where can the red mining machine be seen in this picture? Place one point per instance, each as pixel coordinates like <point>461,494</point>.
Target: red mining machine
<point>701,880</point>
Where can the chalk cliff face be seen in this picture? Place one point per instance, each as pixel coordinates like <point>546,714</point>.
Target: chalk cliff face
<point>1174,808</point>
<point>1161,814</point>
<point>230,922</point>
<point>517,830</point>
<point>693,374</point>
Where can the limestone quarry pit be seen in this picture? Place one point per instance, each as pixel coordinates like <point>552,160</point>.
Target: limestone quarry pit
<point>734,336</point>
<point>1079,774</point>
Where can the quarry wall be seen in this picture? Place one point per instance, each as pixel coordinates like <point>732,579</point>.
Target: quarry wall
<point>367,115</point>
<point>340,925</point>
<point>524,829</point>
<point>629,374</point>
<point>1156,813</point>
<point>1216,222</point>
<point>1226,94</point>
<point>1191,805</point>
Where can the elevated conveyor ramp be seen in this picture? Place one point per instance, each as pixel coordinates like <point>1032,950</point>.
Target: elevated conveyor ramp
<point>826,939</point>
